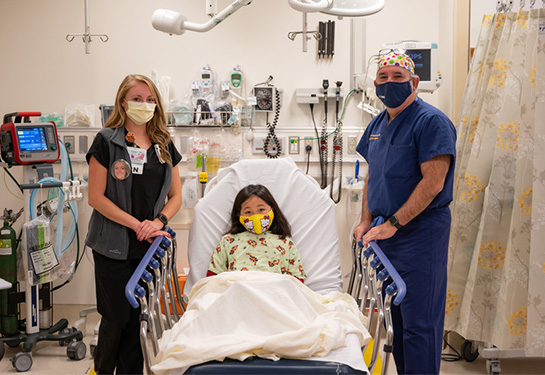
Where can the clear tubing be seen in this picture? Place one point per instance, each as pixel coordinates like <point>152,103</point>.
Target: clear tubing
<point>64,161</point>
<point>58,212</point>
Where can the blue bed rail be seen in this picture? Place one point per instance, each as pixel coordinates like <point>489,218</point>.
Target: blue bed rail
<point>370,270</point>
<point>133,289</point>
<point>397,285</point>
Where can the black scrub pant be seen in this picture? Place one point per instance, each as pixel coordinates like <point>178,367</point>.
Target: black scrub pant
<point>118,348</point>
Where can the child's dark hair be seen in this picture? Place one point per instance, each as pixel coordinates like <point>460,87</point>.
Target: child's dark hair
<point>279,225</point>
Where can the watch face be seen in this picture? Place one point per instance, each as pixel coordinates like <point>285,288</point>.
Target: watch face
<point>163,219</point>
<point>393,220</point>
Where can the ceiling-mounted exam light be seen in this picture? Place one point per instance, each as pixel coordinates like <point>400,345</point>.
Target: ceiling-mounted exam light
<point>340,8</point>
<point>172,22</point>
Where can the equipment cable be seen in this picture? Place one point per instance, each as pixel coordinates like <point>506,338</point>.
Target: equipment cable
<point>318,137</point>
<point>272,146</point>
<point>308,150</point>
<point>337,147</point>
<point>323,139</point>
<point>323,173</point>
<point>8,189</point>
<point>450,357</point>
<point>13,178</point>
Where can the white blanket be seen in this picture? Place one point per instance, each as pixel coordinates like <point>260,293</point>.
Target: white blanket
<point>242,314</point>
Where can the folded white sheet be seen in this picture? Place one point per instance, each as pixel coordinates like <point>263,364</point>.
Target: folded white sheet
<point>241,314</point>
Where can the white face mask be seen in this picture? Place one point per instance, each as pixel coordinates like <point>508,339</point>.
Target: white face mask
<point>140,112</point>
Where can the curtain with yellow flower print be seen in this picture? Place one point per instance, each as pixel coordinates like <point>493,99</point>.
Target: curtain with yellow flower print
<point>496,269</point>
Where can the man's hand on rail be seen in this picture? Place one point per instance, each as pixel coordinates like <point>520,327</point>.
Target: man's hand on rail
<point>380,232</point>
<point>361,229</point>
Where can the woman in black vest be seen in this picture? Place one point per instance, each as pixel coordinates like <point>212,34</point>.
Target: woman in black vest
<point>134,189</point>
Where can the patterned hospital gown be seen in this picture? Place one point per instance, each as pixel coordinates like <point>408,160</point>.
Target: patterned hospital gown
<point>247,251</point>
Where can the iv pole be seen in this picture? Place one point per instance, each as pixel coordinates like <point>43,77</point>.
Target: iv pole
<point>86,37</point>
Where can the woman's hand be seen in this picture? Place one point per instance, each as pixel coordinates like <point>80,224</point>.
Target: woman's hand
<point>147,228</point>
<point>157,234</point>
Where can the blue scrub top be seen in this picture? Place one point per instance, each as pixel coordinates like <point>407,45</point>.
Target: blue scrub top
<point>395,151</point>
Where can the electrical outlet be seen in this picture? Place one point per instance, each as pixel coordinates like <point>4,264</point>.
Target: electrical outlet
<point>309,143</point>
<point>352,144</point>
<point>70,143</point>
<point>294,145</point>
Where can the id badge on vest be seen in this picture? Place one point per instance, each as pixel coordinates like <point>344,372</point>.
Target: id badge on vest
<point>138,159</point>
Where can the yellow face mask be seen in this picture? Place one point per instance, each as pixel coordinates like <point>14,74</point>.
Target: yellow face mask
<point>257,223</point>
<point>140,112</point>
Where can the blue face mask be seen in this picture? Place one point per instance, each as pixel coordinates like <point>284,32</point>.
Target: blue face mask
<point>393,94</point>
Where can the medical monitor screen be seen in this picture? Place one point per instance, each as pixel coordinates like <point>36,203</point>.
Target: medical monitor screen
<point>32,139</point>
<point>422,62</point>
<point>105,112</point>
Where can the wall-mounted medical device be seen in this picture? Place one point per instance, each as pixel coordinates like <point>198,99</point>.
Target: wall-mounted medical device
<point>105,112</point>
<point>339,8</point>
<point>426,60</point>
<point>236,77</point>
<point>207,77</point>
<point>314,96</point>
<point>265,98</point>
<point>171,22</point>
<point>28,143</point>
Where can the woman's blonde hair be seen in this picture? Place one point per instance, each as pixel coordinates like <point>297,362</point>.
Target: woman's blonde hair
<point>156,128</point>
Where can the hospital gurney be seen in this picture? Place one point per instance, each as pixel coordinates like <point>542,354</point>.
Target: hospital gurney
<point>158,311</point>
<point>310,212</point>
<point>371,271</point>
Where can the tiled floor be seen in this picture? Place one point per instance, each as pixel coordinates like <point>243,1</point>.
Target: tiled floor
<point>49,358</point>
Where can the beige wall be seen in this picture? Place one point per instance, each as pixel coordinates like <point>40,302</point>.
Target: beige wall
<point>41,71</point>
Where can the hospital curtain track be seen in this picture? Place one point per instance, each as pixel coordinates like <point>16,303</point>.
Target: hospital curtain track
<point>496,268</point>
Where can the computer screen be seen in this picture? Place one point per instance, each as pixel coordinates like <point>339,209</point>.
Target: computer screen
<point>422,62</point>
<point>105,112</point>
<point>32,139</point>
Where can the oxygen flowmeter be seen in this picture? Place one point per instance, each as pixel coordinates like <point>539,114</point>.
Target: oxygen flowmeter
<point>24,143</point>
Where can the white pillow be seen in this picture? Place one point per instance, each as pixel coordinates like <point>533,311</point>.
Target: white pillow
<point>308,209</point>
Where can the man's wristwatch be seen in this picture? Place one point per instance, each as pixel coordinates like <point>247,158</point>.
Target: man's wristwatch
<point>393,220</point>
<point>163,219</point>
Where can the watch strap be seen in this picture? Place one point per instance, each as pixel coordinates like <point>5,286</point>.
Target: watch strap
<point>395,222</point>
<point>163,219</point>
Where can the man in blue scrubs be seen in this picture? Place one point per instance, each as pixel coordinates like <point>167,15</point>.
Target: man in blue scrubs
<point>410,149</point>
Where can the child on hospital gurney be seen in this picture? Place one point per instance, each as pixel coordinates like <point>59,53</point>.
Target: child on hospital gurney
<point>255,304</point>
<point>259,238</point>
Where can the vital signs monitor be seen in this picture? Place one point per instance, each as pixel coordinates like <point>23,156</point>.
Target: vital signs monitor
<point>29,143</point>
<point>425,58</point>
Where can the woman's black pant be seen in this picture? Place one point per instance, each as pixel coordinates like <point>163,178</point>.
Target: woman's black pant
<point>118,348</point>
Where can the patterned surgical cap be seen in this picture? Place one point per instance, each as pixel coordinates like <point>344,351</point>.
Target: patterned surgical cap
<point>395,59</point>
